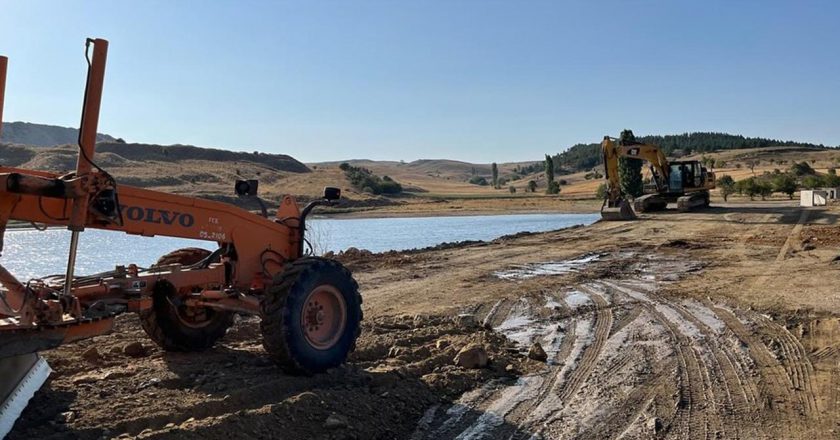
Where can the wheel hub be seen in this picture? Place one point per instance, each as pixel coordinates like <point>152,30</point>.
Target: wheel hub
<point>323,318</point>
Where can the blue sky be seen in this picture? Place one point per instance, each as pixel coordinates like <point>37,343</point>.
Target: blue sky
<point>478,81</point>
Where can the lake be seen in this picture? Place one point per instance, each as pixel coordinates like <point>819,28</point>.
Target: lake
<point>30,253</point>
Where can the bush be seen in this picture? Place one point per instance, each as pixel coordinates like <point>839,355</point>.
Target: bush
<point>478,180</point>
<point>601,192</point>
<point>553,188</point>
<point>532,186</point>
<point>363,179</point>
<point>512,189</point>
<point>801,169</point>
<point>563,182</point>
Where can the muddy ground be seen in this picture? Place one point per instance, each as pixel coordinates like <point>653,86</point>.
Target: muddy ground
<point>720,324</point>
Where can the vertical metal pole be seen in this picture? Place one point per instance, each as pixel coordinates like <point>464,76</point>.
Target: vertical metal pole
<point>89,126</point>
<point>4,62</point>
<point>71,262</point>
<point>87,146</point>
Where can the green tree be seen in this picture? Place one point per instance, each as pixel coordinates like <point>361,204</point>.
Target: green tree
<point>630,176</point>
<point>785,184</point>
<point>553,188</point>
<point>726,185</point>
<point>549,169</point>
<point>811,182</point>
<point>747,187</point>
<point>763,188</point>
<point>831,180</point>
<point>629,170</point>
<point>512,189</point>
<point>495,179</point>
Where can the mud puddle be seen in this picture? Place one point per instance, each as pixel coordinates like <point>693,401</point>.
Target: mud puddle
<point>527,271</point>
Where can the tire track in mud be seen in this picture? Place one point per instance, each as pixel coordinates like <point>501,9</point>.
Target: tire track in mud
<point>795,361</point>
<point>692,418</point>
<point>603,324</point>
<point>481,412</point>
<point>692,368</point>
<point>508,412</point>
<point>776,383</point>
<point>625,320</point>
<point>738,404</point>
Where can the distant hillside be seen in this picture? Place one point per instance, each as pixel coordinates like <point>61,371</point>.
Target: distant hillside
<point>42,135</point>
<point>586,156</point>
<point>63,158</point>
<point>175,153</point>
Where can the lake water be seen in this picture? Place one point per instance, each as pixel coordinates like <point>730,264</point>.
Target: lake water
<point>30,253</point>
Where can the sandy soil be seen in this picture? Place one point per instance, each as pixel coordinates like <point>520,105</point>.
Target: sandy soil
<point>718,324</point>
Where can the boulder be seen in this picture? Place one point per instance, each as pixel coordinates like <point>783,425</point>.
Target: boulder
<point>334,421</point>
<point>92,355</point>
<point>466,320</point>
<point>472,356</point>
<point>537,353</point>
<point>134,349</point>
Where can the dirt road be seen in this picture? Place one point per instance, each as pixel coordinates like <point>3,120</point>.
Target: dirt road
<point>720,324</point>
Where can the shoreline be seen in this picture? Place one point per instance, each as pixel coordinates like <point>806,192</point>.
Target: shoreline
<point>379,214</point>
<point>385,214</point>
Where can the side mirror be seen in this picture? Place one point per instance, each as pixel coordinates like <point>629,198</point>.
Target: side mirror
<point>246,187</point>
<point>332,193</point>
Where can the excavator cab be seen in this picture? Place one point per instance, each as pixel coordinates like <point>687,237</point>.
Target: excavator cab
<point>687,176</point>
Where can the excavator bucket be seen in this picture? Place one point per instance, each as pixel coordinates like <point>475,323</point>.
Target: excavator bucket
<point>621,212</point>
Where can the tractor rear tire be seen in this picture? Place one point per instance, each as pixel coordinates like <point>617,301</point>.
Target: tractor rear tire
<point>311,316</point>
<point>169,326</point>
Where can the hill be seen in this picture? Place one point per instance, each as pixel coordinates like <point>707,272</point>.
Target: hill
<point>582,157</point>
<point>180,169</point>
<point>42,135</point>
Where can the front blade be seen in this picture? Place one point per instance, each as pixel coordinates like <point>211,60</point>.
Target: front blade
<point>21,377</point>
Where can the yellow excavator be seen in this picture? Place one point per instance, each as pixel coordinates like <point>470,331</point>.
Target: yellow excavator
<point>686,183</point>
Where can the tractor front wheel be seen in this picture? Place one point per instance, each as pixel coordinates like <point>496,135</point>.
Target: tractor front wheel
<point>311,316</point>
<point>176,327</point>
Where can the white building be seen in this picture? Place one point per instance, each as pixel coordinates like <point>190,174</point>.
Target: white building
<point>813,197</point>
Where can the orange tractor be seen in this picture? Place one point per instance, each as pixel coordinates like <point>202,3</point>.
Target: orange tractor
<point>310,307</point>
